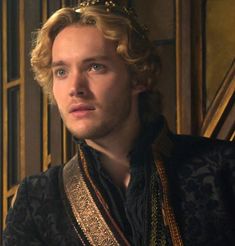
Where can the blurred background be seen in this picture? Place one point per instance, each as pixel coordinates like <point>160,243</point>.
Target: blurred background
<point>195,41</point>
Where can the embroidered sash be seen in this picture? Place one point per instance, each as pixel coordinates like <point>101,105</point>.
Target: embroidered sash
<point>95,227</point>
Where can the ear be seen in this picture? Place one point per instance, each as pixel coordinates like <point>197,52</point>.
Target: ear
<point>136,89</point>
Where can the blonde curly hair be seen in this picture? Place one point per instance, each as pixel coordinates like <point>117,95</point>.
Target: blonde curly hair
<point>132,45</point>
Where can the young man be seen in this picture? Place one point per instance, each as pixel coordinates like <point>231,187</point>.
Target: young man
<point>132,181</point>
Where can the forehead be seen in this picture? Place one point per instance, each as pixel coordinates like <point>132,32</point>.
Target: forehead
<point>79,39</point>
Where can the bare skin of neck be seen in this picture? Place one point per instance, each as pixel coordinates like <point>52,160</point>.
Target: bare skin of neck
<point>114,151</point>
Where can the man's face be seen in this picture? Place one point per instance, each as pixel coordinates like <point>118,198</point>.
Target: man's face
<point>91,83</point>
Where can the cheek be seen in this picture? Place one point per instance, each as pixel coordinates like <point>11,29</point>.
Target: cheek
<point>58,91</point>
<point>54,91</point>
<point>117,99</point>
<point>58,95</point>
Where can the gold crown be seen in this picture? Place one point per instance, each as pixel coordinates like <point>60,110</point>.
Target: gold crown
<point>107,4</point>
<point>117,8</point>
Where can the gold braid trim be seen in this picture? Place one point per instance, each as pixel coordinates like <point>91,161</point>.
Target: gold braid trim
<point>168,212</point>
<point>101,199</point>
<point>84,207</point>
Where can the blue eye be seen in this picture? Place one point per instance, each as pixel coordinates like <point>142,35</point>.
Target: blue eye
<point>60,73</point>
<point>95,67</point>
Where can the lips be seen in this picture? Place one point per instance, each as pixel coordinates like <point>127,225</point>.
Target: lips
<point>80,110</point>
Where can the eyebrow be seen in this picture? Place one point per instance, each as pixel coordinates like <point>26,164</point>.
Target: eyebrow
<point>95,58</point>
<point>57,63</point>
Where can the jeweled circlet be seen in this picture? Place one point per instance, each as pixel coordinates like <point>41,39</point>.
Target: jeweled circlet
<point>118,8</point>
<point>108,4</point>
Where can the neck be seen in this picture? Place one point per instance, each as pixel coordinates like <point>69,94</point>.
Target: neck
<point>115,150</point>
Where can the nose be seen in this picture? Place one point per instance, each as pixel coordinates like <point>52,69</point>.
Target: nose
<point>78,85</point>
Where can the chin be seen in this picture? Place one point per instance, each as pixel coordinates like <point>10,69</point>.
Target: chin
<point>90,132</point>
<point>80,134</point>
<point>83,133</point>
<point>79,129</point>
